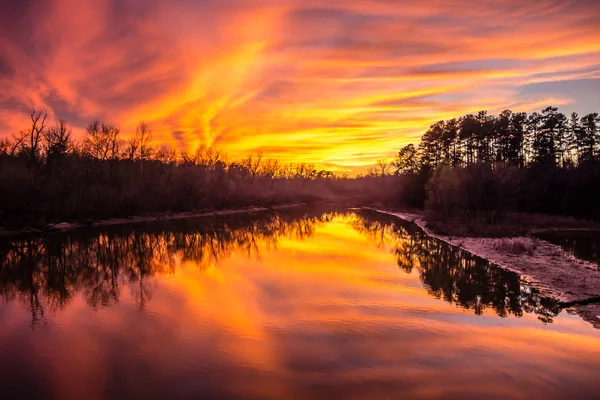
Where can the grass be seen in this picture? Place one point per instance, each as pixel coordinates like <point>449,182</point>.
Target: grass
<point>516,246</point>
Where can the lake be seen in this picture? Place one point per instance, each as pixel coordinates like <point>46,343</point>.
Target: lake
<point>315,302</point>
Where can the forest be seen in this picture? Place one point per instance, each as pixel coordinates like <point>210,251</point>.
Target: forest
<point>479,167</point>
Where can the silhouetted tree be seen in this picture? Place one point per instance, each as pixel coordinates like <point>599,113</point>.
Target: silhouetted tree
<point>383,167</point>
<point>253,164</point>
<point>139,146</point>
<point>407,161</point>
<point>102,141</point>
<point>588,137</point>
<point>469,127</point>
<point>29,142</point>
<point>558,159</point>
<point>57,141</point>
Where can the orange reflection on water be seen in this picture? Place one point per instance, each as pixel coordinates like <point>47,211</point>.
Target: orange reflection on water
<point>326,313</point>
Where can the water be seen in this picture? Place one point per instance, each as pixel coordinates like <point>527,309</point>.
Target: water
<point>582,244</point>
<point>306,303</point>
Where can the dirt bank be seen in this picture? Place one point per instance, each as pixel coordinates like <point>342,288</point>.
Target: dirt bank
<point>545,266</point>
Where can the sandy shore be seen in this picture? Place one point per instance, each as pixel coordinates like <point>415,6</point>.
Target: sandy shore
<point>547,267</point>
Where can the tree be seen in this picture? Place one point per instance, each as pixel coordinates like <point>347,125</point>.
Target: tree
<point>451,142</point>
<point>102,141</point>
<point>588,138</point>
<point>484,136</point>
<point>166,155</point>
<point>502,126</point>
<point>57,141</point>
<point>270,168</point>
<point>138,147</point>
<point>516,146</point>
<point>407,161</point>
<point>253,163</point>
<point>140,144</point>
<point>550,135</point>
<point>204,156</point>
<point>29,142</point>
<point>383,167</point>
<point>532,137</point>
<point>431,144</point>
<point>5,146</point>
<point>468,128</point>
<point>577,134</point>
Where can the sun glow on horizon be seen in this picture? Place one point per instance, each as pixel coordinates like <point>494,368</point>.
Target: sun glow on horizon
<point>338,87</point>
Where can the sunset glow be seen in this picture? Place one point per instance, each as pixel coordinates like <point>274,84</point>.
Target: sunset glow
<point>338,84</point>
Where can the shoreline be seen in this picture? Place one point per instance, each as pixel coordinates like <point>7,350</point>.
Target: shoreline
<point>548,268</point>
<point>69,226</point>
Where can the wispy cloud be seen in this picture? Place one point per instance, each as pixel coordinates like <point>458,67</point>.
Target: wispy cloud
<point>341,85</point>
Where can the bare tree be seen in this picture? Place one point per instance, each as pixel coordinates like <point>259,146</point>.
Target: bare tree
<point>5,146</point>
<point>138,147</point>
<point>57,140</point>
<point>29,142</point>
<point>384,167</point>
<point>372,172</point>
<point>102,141</point>
<point>253,163</point>
<point>212,156</point>
<point>205,156</point>
<point>305,171</point>
<point>270,168</point>
<point>165,155</point>
<point>11,146</point>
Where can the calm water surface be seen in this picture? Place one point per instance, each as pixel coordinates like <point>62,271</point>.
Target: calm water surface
<point>582,244</point>
<point>306,303</point>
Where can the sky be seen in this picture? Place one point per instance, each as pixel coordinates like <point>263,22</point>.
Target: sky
<point>337,83</point>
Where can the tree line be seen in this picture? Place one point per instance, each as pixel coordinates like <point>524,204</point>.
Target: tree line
<point>549,138</point>
<point>47,176</point>
<point>481,166</point>
<point>43,144</point>
<point>477,168</point>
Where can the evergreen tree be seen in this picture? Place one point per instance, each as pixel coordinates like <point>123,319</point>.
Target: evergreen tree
<point>588,138</point>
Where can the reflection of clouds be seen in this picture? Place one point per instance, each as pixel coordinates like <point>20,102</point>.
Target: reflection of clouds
<point>326,315</point>
<point>278,74</point>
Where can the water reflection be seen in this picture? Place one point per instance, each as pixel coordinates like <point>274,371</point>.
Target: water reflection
<point>290,305</point>
<point>452,274</point>
<point>581,244</point>
<point>44,272</point>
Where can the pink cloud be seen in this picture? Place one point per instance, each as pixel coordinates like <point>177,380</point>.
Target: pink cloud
<point>249,75</point>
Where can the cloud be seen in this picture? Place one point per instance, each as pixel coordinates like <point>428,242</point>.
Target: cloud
<point>343,85</point>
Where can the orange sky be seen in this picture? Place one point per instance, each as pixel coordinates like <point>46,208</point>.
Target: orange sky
<point>337,83</point>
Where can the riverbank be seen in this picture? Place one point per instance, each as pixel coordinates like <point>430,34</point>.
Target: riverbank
<point>547,267</point>
<point>67,226</point>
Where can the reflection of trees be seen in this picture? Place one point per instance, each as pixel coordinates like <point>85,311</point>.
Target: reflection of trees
<point>45,272</point>
<point>452,274</point>
<point>582,244</point>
